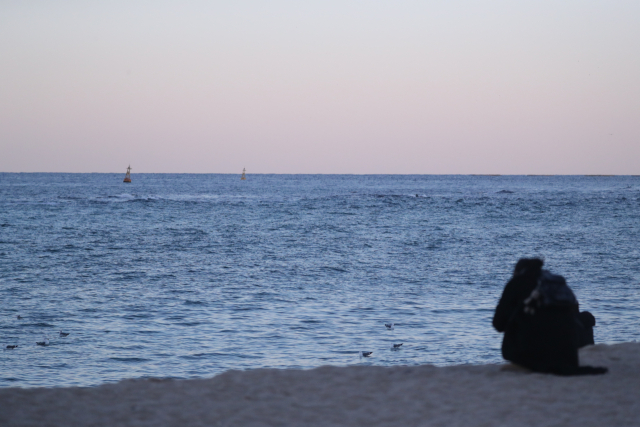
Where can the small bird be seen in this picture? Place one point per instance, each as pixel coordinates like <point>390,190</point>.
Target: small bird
<point>365,353</point>
<point>18,317</point>
<point>397,345</point>
<point>390,326</point>
<point>45,341</point>
<point>64,334</point>
<point>11,347</point>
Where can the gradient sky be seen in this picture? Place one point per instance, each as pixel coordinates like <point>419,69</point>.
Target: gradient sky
<point>424,87</point>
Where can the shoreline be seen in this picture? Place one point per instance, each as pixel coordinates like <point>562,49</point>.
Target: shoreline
<point>425,395</point>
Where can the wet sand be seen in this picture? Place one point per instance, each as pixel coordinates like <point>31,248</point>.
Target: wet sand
<point>479,395</point>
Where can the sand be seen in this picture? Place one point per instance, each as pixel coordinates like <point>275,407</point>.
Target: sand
<point>467,395</point>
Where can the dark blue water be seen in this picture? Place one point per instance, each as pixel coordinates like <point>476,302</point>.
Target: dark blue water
<point>190,275</point>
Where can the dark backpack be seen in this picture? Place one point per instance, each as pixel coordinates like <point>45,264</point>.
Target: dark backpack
<point>551,293</point>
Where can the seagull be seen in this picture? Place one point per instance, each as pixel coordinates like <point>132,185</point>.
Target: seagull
<point>389,326</point>
<point>11,347</point>
<point>397,345</point>
<point>64,334</point>
<point>365,353</point>
<point>45,341</point>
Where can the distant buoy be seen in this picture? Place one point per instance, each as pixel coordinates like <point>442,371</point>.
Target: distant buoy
<point>127,177</point>
<point>244,175</point>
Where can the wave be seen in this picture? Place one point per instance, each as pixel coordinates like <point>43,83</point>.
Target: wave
<point>190,302</point>
<point>129,359</point>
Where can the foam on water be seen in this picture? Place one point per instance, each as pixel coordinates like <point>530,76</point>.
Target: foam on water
<point>190,275</point>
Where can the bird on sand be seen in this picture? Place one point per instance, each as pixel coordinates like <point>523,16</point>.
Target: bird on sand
<point>11,347</point>
<point>64,334</point>
<point>390,326</point>
<point>365,353</point>
<point>397,345</point>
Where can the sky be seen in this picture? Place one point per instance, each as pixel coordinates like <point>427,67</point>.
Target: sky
<point>355,87</point>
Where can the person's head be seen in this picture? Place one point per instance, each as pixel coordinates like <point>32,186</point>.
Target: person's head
<point>528,266</point>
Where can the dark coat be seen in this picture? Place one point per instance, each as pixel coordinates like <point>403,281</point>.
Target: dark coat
<point>523,282</point>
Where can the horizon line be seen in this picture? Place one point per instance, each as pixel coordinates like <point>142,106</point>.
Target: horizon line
<point>321,173</point>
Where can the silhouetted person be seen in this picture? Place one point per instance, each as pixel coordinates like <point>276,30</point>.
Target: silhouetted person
<point>542,325</point>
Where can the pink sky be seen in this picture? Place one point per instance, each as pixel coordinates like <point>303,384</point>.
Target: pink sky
<point>424,87</point>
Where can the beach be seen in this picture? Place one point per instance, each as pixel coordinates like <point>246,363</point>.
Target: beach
<point>319,213</point>
<point>463,395</point>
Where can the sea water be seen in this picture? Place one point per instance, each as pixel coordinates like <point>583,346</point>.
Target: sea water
<point>186,276</point>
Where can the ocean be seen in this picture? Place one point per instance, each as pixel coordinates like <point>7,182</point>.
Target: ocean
<point>187,276</point>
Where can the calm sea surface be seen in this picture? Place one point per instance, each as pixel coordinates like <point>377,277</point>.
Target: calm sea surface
<point>187,276</point>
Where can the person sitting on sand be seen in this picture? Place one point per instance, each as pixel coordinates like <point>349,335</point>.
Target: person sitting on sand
<point>542,324</point>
